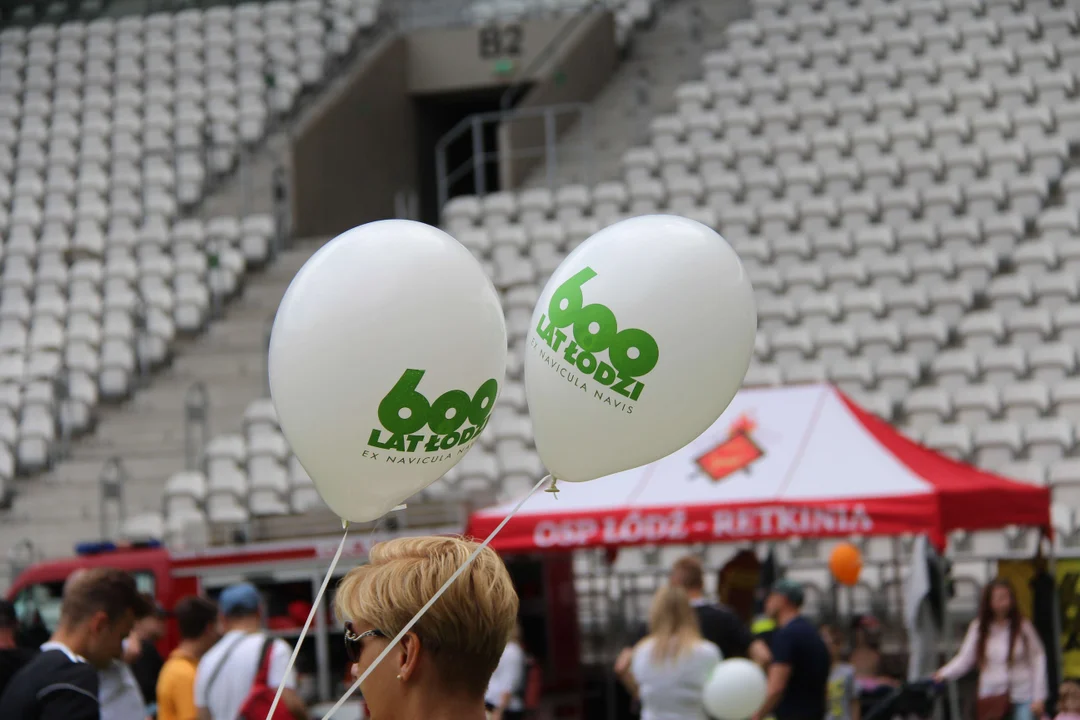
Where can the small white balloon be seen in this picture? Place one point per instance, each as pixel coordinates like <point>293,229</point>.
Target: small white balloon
<point>735,690</point>
<point>386,356</point>
<point>638,343</point>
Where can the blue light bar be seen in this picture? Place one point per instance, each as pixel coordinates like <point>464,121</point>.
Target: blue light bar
<point>96,547</point>
<point>102,547</point>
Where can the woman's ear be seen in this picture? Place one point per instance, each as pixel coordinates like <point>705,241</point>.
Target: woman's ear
<point>410,656</point>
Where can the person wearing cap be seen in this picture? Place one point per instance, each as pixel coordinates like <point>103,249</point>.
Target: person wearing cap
<point>799,674</point>
<point>227,671</point>
<point>12,657</point>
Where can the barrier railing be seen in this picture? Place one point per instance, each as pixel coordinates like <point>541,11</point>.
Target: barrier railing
<point>491,165</point>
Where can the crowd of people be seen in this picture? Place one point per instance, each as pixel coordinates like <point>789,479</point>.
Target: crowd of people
<point>666,670</point>
<point>102,663</point>
<point>811,674</point>
<point>463,660</point>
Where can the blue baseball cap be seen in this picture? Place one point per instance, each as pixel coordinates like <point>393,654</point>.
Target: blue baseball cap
<point>239,599</point>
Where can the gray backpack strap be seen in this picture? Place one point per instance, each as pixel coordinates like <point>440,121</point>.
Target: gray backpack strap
<point>221,664</point>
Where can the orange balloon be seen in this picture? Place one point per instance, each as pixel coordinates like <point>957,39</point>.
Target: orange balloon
<point>846,563</point>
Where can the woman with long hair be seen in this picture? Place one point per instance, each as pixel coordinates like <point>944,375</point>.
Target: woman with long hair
<point>441,668</point>
<point>1006,650</point>
<point>671,665</point>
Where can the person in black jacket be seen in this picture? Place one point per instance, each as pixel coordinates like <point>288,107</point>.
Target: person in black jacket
<point>99,609</point>
<point>141,650</point>
<point>12,657</point>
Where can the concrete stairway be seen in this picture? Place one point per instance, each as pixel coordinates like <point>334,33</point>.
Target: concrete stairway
<point>61,507</point>
<point>660,58</point>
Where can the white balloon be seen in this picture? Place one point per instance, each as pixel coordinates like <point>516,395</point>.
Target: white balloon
<point>735,690</point>
<point>386,357</point>
<point>638,343</point>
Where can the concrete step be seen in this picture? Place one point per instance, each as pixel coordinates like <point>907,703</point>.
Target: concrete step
<point>659,59</point>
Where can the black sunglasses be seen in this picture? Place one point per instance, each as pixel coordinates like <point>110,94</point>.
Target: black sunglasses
<point>354,642</point>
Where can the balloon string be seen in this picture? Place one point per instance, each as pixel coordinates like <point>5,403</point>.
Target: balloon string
<point>446,585</point>
<point>311,616</point>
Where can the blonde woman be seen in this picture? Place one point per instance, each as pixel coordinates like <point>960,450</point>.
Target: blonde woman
<point>671,664</point>
<point>441,668</point>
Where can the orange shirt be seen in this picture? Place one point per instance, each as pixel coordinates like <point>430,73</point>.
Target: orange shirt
<point>176,688</point>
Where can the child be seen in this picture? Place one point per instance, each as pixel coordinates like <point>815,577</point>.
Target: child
<point>1069,700</point>
<point>843,703</point>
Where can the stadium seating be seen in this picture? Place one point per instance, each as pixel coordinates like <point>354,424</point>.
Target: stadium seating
<point>628,13</point>
<point>898,180</point>
<point>111,132</point>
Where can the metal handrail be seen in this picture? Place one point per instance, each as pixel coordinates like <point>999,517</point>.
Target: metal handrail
<point>474,124</point>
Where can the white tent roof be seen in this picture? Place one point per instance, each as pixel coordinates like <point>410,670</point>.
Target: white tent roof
<point>779,462</point>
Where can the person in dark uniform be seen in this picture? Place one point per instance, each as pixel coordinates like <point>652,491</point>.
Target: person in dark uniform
<point>799,673</point>
<point>763,628</point>
<point>12,657</point>
<point>142,654</point>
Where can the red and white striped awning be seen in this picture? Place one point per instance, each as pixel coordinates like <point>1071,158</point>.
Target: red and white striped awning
<point>783,462</point>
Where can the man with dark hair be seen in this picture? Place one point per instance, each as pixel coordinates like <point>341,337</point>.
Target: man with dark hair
<point>99,609</point>
<point>799,673</point>
<point>198,623</point>
<point>12,657</point>
<point>719,624</point>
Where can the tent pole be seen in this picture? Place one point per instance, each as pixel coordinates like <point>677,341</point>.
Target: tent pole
<point>610,578</point>
<point>898,576</point>
<point>1051,568</point>
<point>947,631</point>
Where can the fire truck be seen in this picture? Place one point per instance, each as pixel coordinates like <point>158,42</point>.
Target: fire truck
<point>285,565</point>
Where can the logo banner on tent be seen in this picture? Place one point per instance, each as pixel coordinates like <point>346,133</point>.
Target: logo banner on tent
<point>781,462</point>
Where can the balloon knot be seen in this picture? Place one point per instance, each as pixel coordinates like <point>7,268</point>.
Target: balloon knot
<point>344,524</point>
<point>553,489</point>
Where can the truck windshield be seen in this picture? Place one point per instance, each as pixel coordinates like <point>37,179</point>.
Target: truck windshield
<point>38,606</point>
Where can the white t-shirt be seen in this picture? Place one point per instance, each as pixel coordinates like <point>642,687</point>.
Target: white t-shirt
<point>119,694</point>
<point>671,690</point>
<point>509,677</point>
<point>233,683</point>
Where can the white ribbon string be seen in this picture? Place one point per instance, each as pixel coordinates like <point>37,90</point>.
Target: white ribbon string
<point>311,616</point>
<point>443,589</point>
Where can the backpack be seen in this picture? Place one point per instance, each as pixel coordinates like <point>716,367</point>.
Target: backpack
<point>256,705</point>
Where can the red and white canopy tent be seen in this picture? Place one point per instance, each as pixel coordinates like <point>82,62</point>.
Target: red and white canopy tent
<point>784,462</point>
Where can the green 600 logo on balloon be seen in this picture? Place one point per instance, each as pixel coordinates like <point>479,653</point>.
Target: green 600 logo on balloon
<point>407,417</point>
<point>631,353</point>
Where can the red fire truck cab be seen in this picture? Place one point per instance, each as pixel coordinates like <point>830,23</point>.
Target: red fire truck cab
<point>288,574</point>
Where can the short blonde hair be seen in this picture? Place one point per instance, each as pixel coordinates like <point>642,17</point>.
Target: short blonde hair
<point>466,630</point>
